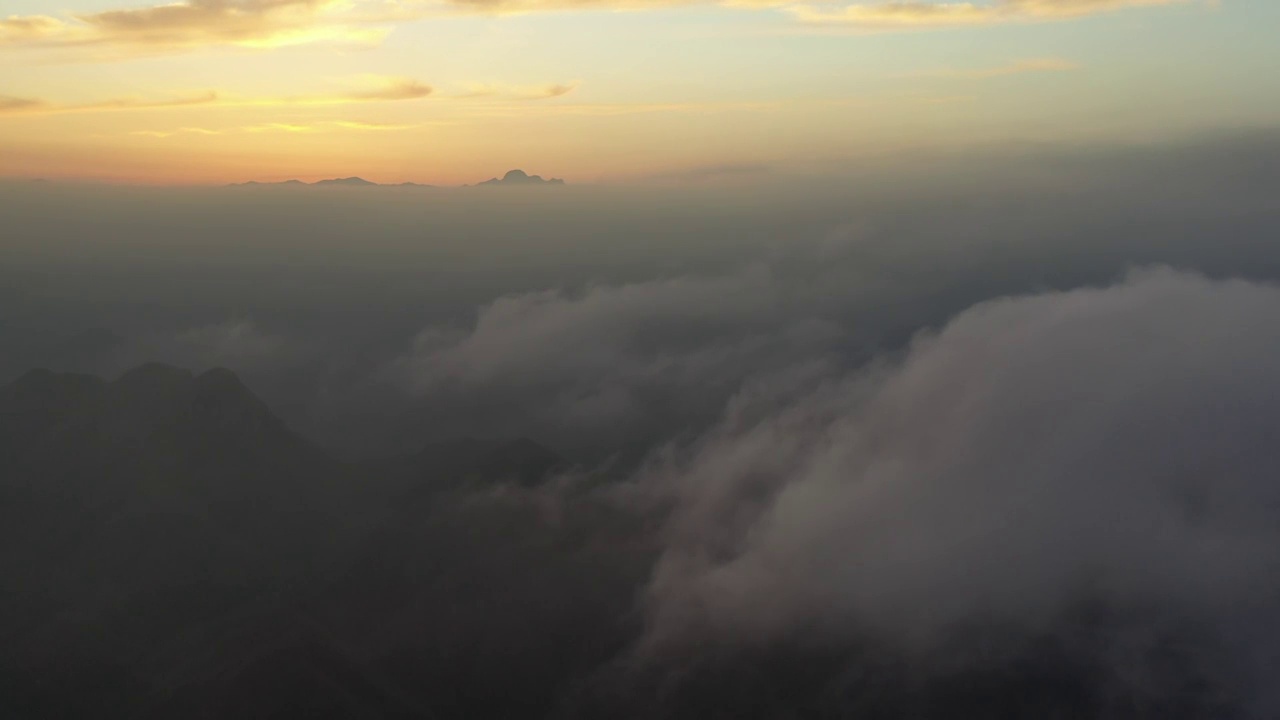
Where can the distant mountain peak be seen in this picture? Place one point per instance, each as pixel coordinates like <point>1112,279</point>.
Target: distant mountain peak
<point>156,394</point>
<point>152,377</point>
<point>520,177</point>
<point>350,181</point>
<point>169,411</point>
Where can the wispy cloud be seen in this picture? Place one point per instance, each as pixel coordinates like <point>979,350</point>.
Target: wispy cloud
<point>551,91</point>
<point>517,92</point>
<point>198,23</point>
<point>17,104</point>
<point>615,109</point>
<point>370,90</point>
<point>44,107</point>
<point>1015,67</point>
<point>206,98</point>
<point>913,14</point>
<point>393,89</point>
<point>29,28</point>
<point>373,126</point>
<point>279,127</point>
<point>179,131</point>
<point>283,127</point>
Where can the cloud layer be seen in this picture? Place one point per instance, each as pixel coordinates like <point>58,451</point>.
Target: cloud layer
<point>276,23</point>
<point>1113,445</point>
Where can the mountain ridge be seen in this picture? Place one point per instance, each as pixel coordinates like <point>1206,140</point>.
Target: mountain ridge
<point>512,177</point>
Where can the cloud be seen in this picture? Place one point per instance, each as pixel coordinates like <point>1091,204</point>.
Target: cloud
<point>518,92</point>
<point>374,89</point>
<point>523,338</point>
<point>1101,444</point>
<point>43,107</point>
<point>602,362</point>
<point>207,98</point>
<point>551,91</point>
<point>179,131</point>
<point>920,15</point>
<point>17,104</point>
<point>614,109</point>
<point>890,14</point>
<point>279,127</point>
<point>1016,67</point>
<point>196,23</point>
<point>327,126</point>
<point>372,126</point>
<point>520,7</point>
<point>278,23</point>
<point>321,126</point>
<point>394,89</point>
<point>32,27</point>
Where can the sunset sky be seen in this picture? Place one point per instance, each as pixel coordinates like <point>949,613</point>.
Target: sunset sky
<point>454,91</point>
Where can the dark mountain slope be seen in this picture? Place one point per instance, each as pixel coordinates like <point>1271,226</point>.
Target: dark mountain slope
<point>139,509</point>
<point>171,549</point>
<point>453,464</point>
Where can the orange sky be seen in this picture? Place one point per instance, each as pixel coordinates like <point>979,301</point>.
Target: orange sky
<point>452,92</point>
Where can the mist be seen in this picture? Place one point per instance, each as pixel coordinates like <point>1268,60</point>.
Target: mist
<point>982,433</point>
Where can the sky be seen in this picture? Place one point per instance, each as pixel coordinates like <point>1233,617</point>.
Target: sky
<point>456,91</point>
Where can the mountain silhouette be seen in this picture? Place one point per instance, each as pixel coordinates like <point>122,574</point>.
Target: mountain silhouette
<point>349,182</point>
<point>519,177</point>
<point>172,549</point>
<point>511,178</point>
<point>331,182</point>
<point>255,183</point>
<point>153,417</point>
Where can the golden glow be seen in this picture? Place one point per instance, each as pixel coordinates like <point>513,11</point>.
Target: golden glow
<point>445,91</point>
